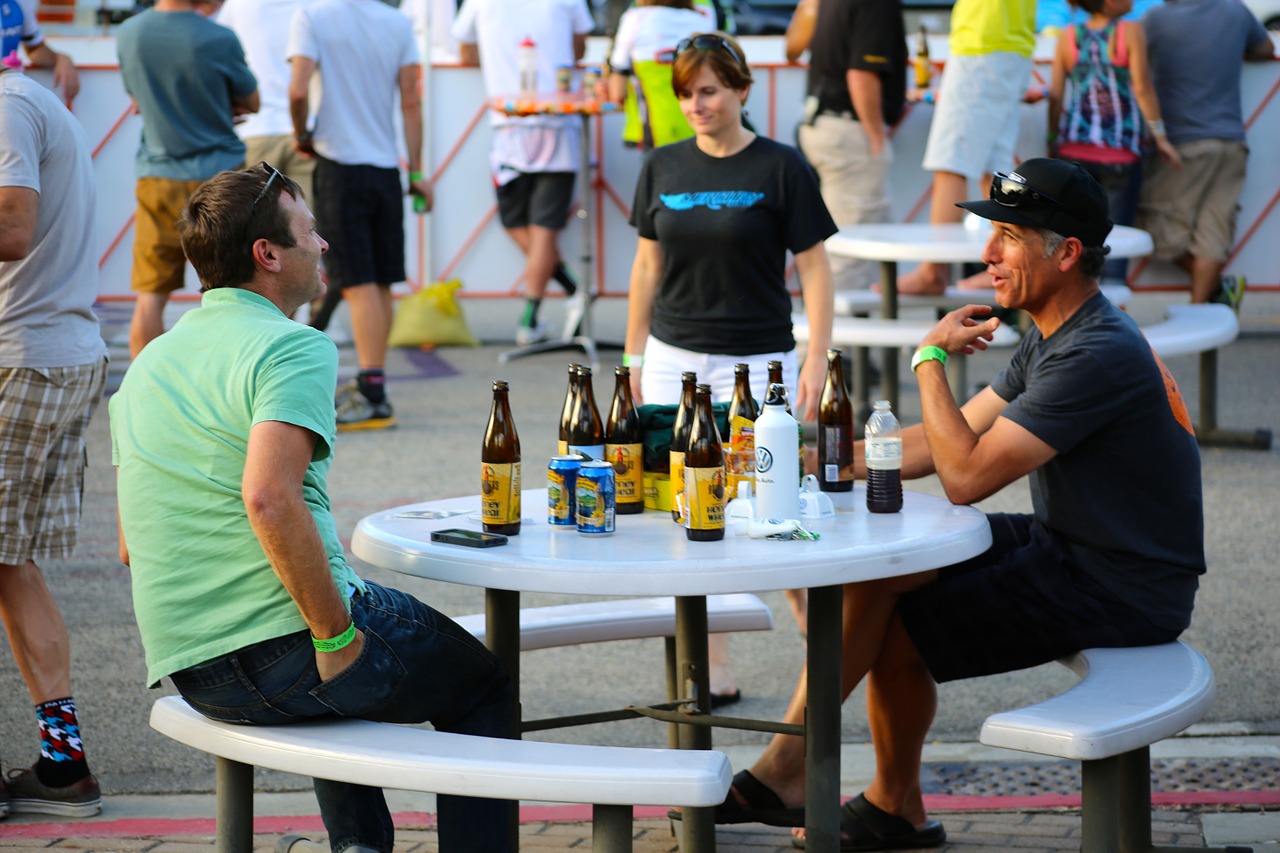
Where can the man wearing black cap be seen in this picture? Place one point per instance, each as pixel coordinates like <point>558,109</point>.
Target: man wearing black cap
<point>1111,554</point>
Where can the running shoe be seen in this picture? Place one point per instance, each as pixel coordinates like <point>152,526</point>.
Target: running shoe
<point>537,333</point>
<point>28,795</point>
<point>1231,292</point>
<point>356,412</point>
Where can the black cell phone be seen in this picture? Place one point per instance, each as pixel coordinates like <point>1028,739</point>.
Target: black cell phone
<point>469,538</point>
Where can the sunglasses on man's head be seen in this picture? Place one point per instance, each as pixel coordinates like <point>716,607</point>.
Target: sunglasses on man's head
<point>708,41</point>
<point>275,173</point>
<point>1013,191</point>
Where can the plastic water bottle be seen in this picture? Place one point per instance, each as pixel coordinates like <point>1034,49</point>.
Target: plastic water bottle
<point>777,466</point>
<point>527,63</point>
<point>884,460</point>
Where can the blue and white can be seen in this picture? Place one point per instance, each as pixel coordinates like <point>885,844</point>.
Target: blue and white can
<point>595,497</point>
<point>562,482</point>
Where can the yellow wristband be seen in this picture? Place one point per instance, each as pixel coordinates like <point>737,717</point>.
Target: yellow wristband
<point>333,644</point>
<point>928,354</point>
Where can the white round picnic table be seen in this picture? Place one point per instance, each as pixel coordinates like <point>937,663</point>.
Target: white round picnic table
<point>650,555</point>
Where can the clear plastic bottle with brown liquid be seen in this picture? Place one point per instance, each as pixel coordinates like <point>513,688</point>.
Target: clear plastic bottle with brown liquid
<point>624,446</point>
<point>500,468</point>
<point>884,460</point>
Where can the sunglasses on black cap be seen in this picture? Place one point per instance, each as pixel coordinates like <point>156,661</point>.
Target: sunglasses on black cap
<point>708,41</point>
<point>1014,191</point>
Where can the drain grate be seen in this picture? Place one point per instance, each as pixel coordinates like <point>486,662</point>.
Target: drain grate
<point>1022,778</point>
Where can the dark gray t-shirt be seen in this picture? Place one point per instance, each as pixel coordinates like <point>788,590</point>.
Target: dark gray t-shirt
<point>1123,495</point>
<point>1196,49</point>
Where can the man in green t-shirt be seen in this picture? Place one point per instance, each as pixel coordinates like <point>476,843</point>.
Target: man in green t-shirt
<point>222,432</point>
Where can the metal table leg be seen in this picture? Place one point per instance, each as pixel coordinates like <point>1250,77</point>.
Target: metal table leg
<point>697,827</point>
<point>502,636</point>
<point>822,722</point>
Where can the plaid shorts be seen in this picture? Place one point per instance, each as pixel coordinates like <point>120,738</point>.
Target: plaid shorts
<point>44,413</point>
<point>1020,604</point>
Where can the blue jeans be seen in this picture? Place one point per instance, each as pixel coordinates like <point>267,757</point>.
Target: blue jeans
<point>416,665</point>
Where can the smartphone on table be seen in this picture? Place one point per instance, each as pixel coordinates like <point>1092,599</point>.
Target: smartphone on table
<point>468,538</point>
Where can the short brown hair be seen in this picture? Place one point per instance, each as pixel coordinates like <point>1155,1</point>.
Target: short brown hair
<point>226,215</point>
<point>728,62</point>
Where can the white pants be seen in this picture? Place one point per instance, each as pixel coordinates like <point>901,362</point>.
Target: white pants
<point>663,364</point>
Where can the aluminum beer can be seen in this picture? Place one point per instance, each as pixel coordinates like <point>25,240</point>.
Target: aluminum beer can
<point>595,498</point>
<point>564,78</point>
<point>562,481</point>
<point>590,76</point>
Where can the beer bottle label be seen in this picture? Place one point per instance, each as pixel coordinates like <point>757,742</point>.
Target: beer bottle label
<point>740,455</point>
<point>500,493</point>
<point>677,484</point>
<point>837,440</point>
<point>588,452</point>
<point>704,493</point>
<point>884,454</point>
<point>628,468</point>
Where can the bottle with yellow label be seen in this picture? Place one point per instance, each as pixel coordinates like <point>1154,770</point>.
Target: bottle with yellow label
<point>923,66</point>
<point>704,477</point>
<point>680,443</point>
<point>500,468</point>
<point>624,446</point>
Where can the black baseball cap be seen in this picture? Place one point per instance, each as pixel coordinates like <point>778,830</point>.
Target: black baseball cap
<point>1048,193</point>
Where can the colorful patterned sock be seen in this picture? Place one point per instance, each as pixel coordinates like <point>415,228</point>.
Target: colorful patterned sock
<point>62,760</point>
<point>372,384</point>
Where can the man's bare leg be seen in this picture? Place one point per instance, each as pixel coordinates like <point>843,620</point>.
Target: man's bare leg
<point>1206,276</point>
<point>37,633</point>
<point>949,189</point>
<point>371,315</point>
<point>147,323</point>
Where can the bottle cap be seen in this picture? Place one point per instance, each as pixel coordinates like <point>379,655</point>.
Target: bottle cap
<point>777,395</point>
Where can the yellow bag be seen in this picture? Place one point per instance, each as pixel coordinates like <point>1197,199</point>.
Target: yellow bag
<point>431,316</point>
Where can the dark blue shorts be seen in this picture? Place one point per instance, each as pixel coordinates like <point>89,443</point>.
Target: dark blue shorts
<point>360,211</point>
<point>536,198</point>
<point>1020,604</point>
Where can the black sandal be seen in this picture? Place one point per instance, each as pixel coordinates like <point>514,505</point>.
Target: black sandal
<point>867,827</point>
<point>761,805</point>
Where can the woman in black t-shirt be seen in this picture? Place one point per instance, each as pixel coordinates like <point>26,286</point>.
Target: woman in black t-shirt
<point>716,217</point>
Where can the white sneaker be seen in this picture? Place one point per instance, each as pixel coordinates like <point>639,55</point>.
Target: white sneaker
<point>526,335</point>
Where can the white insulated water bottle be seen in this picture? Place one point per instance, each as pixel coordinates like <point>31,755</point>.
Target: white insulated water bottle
<point>777,465</point>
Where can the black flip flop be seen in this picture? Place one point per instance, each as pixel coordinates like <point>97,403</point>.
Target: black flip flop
<point>762,805</point>
<point>867,827</point>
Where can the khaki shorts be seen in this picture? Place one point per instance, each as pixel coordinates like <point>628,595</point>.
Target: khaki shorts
<point>975,124</point>
<point>158,262</point>
<point>44,413</point>
<point>279,152</point>
<point>1193,210</point>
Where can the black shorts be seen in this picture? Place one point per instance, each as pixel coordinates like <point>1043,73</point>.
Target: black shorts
<point>536,198</point>
<point>360,211</point>
<point>1020,604</point>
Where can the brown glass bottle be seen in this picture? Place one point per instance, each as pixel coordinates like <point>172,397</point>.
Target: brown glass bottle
<point>704,473</point>
<point>624,446</point>
<point>500,468</point>
<point>680,442</point>
<point>775,377</point>
<point>835,430</point>
<point>742,404</point>
<point>566,412</point>
<point>586,429</point>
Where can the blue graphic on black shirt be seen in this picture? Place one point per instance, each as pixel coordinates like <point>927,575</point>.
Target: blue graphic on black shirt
<point>710,200</point>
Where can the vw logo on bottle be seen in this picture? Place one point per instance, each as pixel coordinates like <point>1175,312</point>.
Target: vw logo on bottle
<point>764,460</point>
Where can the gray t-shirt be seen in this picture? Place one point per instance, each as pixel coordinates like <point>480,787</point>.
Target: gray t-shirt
<point>46,298</point>
<point>1196,50</point>
<point>183,70</point>
<point>1123,495</point>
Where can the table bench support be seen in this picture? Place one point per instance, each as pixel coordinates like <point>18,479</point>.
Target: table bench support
<point>1115,813</point>
<point>234,808</point>
<point>822,728</point>
<point>697,828</point>
<point>1208,434</point>
<point>611,830</point>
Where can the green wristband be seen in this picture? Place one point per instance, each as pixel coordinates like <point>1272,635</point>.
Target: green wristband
<point>928,354</point>
<point>414,177</point>
<point>333,644</point>
<point>632,360</point>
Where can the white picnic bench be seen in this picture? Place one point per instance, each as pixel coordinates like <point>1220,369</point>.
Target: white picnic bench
<point>611,779</point>
<point>1126,700</point>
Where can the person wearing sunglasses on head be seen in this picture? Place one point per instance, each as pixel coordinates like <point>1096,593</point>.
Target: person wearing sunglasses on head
<point>717,215</point>
<point>1111,554</point>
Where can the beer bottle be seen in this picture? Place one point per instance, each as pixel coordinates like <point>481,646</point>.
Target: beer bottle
<point>743,411</point>
<point>835,430</point>
<point>570,395</point>
<point>884,460</point>
<point>624,446</point>
<point>500,468</point>
<point>586,430</point>
<point>704,485</point>
<point>923,67</point>
<point>775,377</point>
<point>680,443</point>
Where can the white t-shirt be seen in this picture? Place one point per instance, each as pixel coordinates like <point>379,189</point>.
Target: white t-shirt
<point>647,32</point>
<point>535,143</point>
<point>436,17</point>
<point>359,47</point>
<point>263,29</point>
<point>46,298</point>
